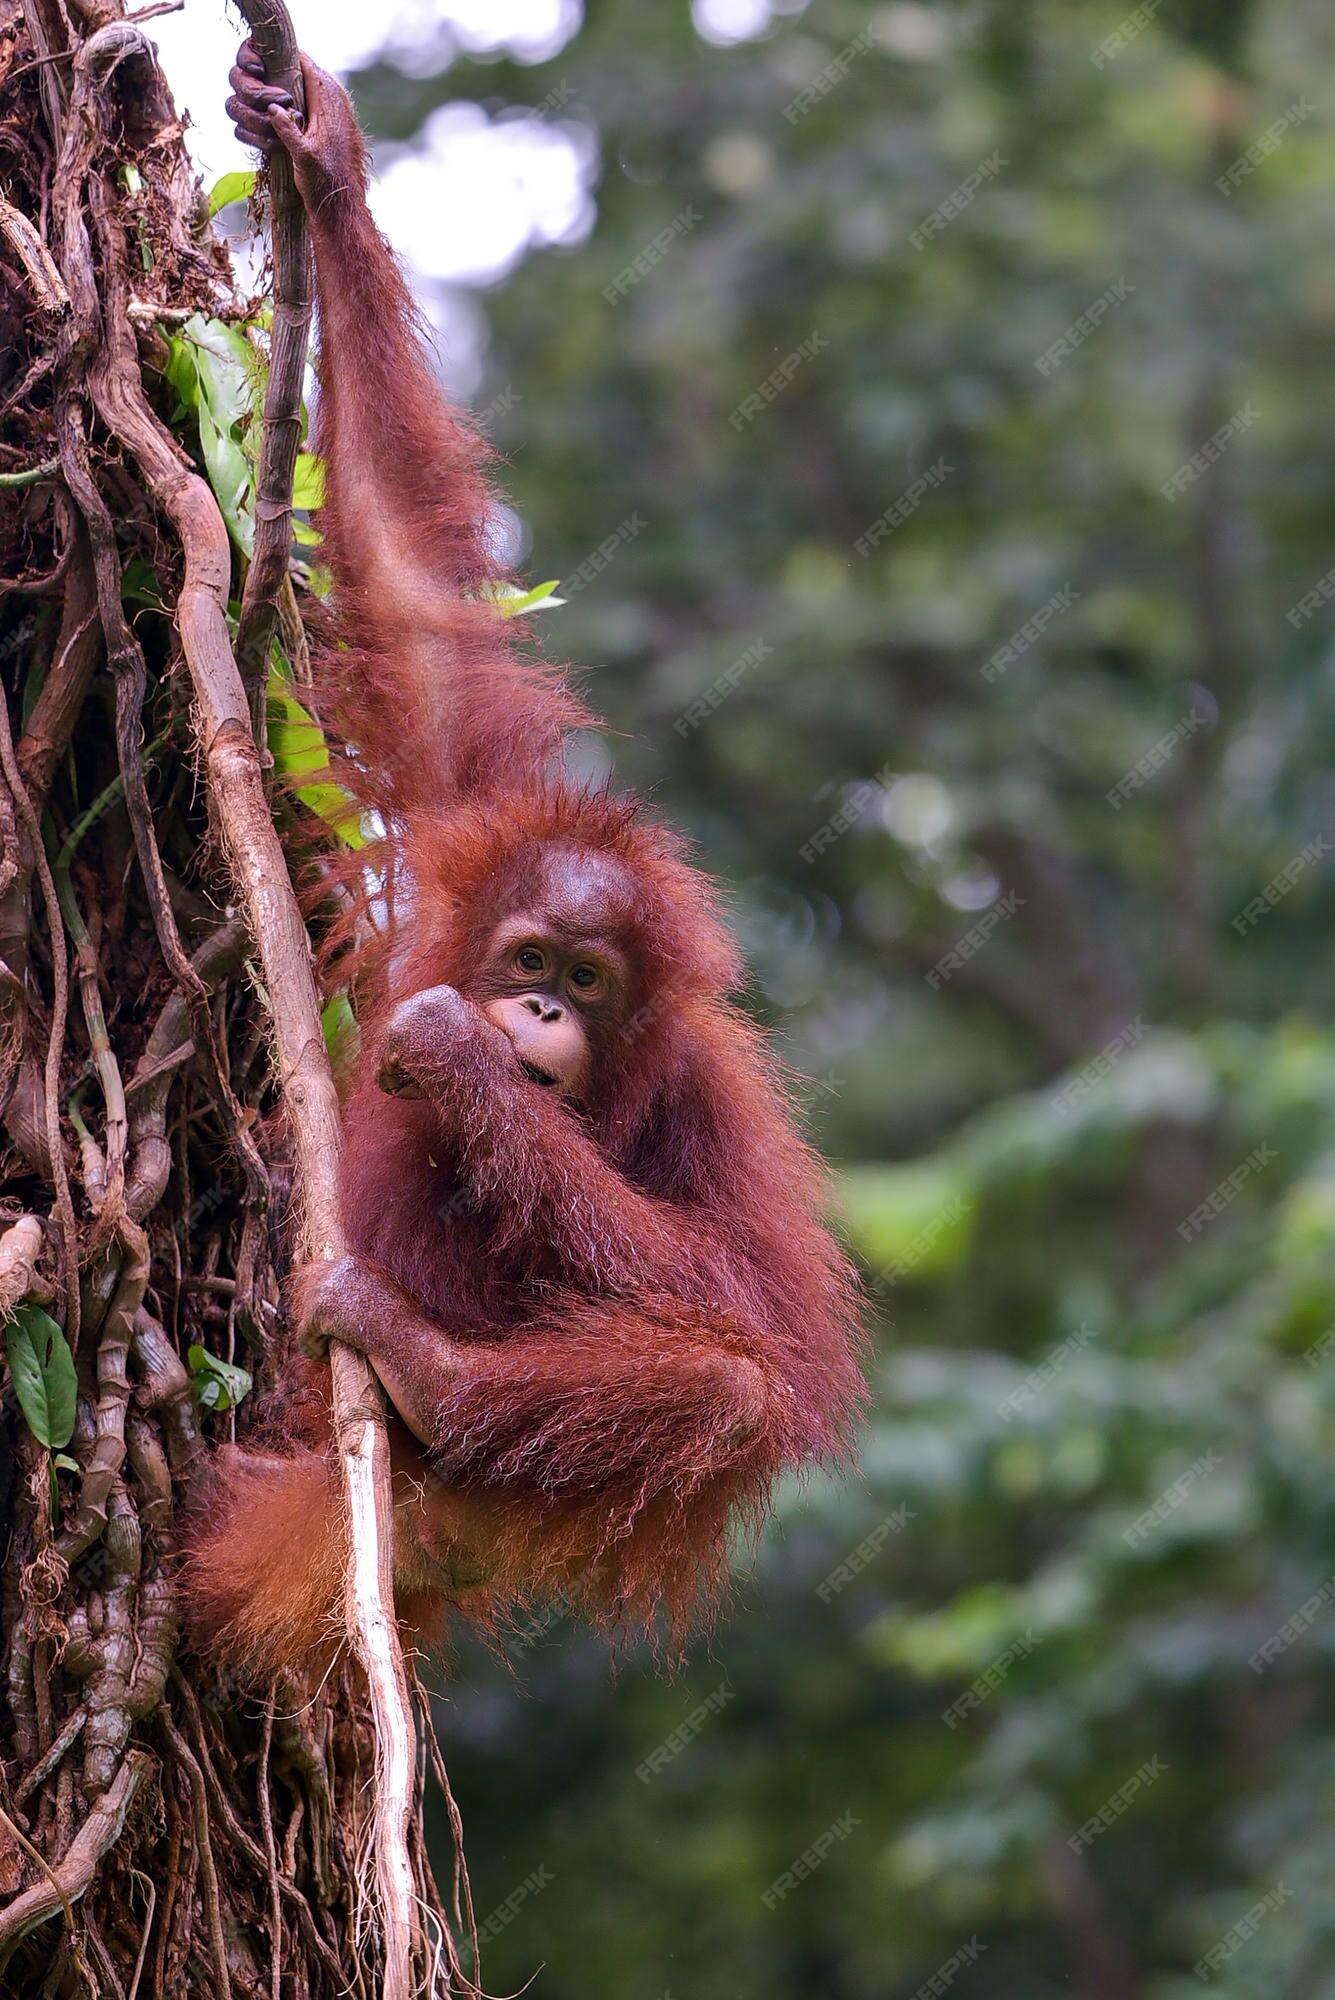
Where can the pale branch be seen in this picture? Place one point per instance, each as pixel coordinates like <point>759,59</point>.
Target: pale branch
<point>293,285</point>
<point>39,266</point>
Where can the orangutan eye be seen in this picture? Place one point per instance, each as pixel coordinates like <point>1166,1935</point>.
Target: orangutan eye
<point>586,977</point>
<point>529,959</point>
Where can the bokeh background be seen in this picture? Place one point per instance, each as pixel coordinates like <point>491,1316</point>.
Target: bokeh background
<point>1078,720</point>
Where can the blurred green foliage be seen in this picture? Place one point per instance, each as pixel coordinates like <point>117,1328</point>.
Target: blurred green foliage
<point>1156,1498</point>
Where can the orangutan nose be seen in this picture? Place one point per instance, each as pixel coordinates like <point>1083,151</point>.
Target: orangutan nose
<point>549,1011</point>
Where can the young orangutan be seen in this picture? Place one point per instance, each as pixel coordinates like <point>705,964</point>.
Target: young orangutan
<point>588,1262</point>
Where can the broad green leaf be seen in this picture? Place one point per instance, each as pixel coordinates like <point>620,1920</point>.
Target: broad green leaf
<point>308,481</point>
<point>229,370</point>
<point>181,372</point>
<point>342,1036</point>
<point>217,1384</point>
<point>42,1369</point>
<point>232,187</point>
<point>230,476</point>
<point>297,745</point>
<point>217,375</point>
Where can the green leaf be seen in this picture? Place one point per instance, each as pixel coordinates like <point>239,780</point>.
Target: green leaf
<point>181,372</point>
<point>297,745</point>
<point>217,1384</point>
<point>230,476</point>
<point>512,602</point>
<point>342,1036</point>
<point>139,584</point>
<point>64,1463</point>
<point>42,1369</point>
<point>308,481</point>
<point>217,375</point>
<point>232,187</point>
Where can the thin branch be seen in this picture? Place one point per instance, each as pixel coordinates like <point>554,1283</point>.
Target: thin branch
<point>39,267</point>
<point>42,1770</point>
<point>32,475</point>
<point>289,337</point>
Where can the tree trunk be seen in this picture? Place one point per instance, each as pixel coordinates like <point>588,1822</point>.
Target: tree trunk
<point>159,1831</point>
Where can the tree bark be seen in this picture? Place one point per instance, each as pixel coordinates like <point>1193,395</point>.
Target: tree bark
<point>159,1829</point>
